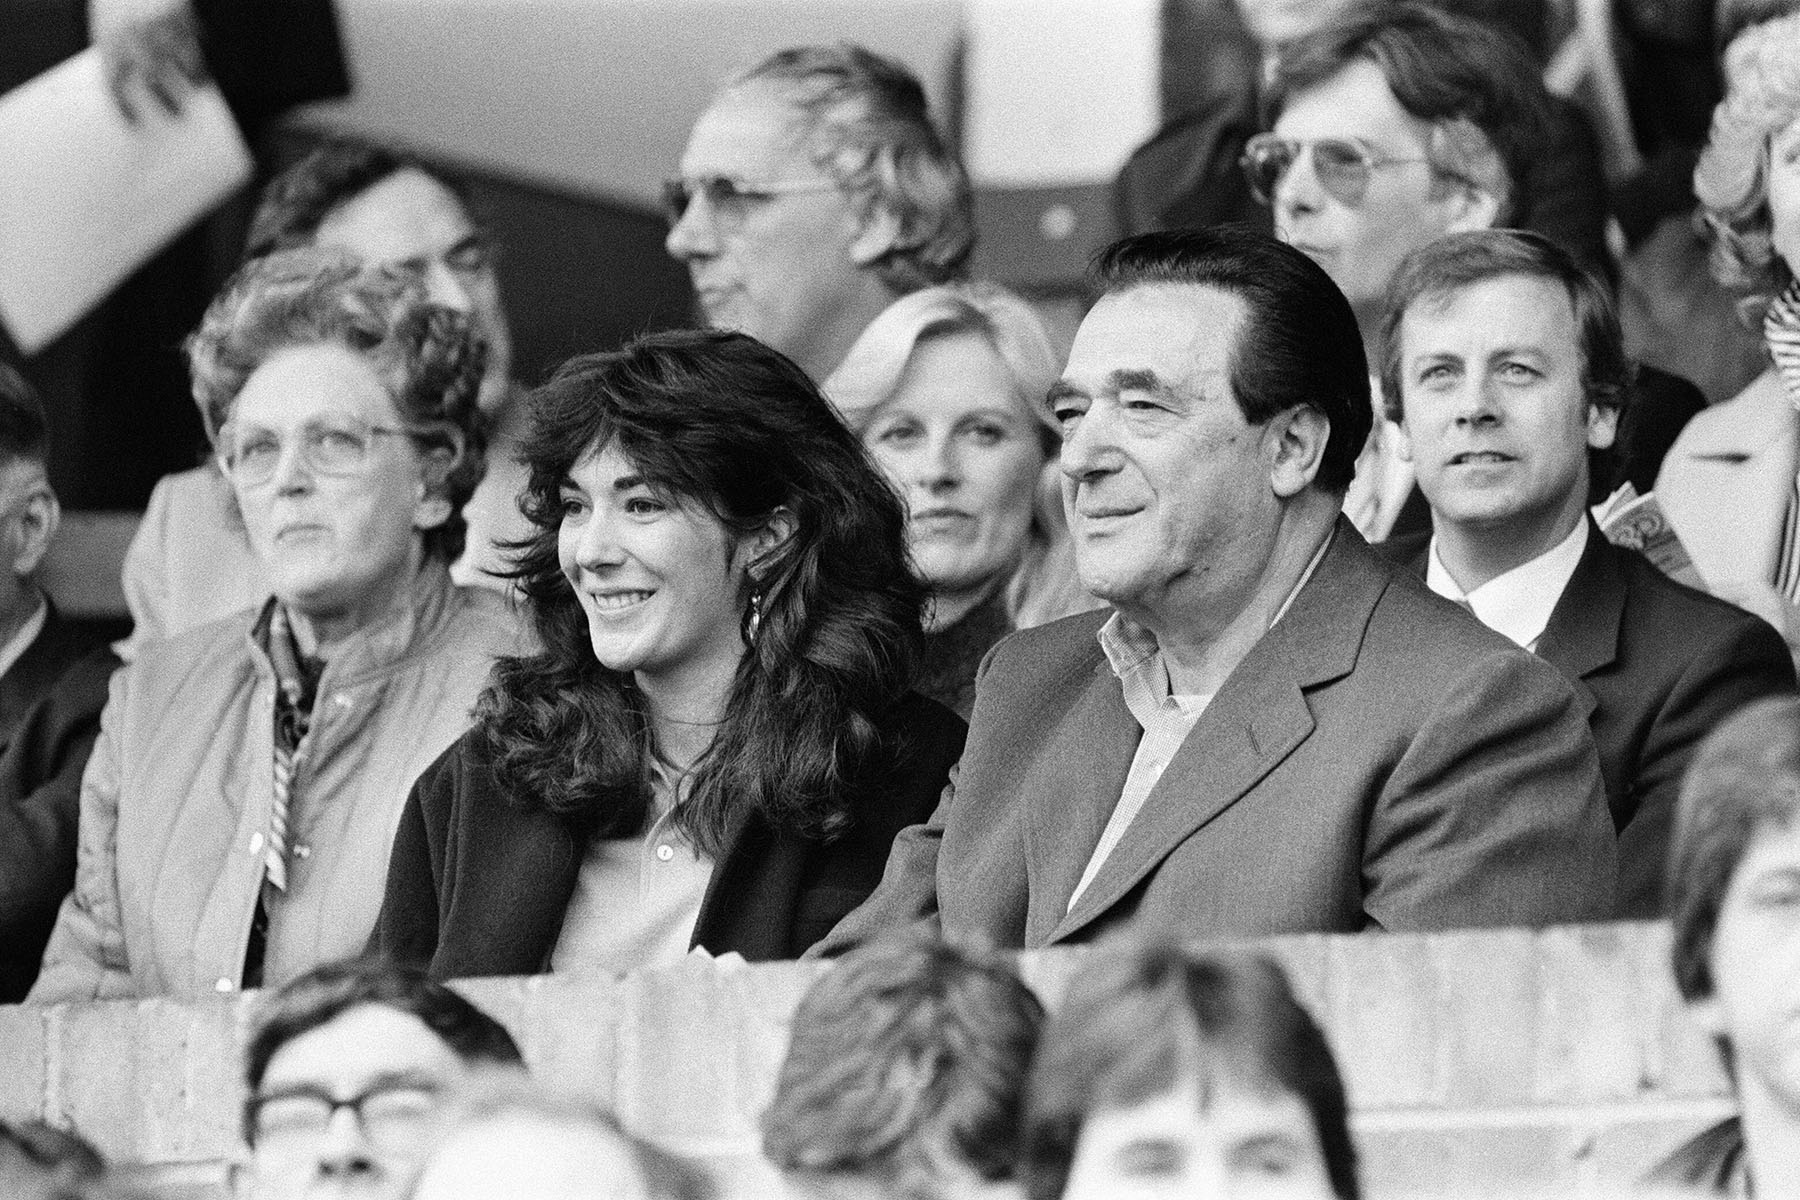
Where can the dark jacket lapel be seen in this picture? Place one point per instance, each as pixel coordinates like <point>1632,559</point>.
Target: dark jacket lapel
<point>30,678</point>
<point>749,901</point>
<point>1256,720</point>
<point>1583,633</point>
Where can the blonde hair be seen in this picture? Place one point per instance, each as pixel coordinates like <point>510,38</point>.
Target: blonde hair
<point>1042,587</point>
<point>1762,97</point>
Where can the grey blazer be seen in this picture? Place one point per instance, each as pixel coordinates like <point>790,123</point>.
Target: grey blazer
<point>1379,760</point>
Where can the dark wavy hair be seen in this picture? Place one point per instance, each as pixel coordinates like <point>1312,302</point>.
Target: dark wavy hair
<point>719,420</point>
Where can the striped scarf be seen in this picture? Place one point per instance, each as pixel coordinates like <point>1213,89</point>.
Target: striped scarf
<point>296,683</point>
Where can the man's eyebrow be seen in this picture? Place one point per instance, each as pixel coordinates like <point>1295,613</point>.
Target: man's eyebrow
<point>1062,389</point>
<point>1138,380</point>
<point>409,1077</point>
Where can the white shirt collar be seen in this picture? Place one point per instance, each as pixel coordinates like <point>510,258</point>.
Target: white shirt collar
<point>20,642</point>
<point>1518,603</point>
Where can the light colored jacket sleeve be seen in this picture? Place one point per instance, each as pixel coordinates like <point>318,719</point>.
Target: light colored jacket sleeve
<point>145,578</point>
<point>85,959</point>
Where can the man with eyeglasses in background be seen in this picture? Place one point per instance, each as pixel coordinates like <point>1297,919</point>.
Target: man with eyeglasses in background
<point>347,1073</point>
<point>1394,124</point>
<point>189,562</point>
<point>814,192</point>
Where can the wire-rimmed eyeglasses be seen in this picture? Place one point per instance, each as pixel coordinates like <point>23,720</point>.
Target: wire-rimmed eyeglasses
<point>1342,166</point>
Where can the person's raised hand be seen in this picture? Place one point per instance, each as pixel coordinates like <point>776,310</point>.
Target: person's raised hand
<point>150,53</point>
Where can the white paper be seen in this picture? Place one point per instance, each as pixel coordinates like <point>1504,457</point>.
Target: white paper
<point>86,197</point>
<point>1059,91</point>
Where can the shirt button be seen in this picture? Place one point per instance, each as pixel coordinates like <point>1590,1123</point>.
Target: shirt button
<point>302,850</point>
<point>256,843</point>
<point>665,853</point>
<point>341,699</point>
<point>224,985</point>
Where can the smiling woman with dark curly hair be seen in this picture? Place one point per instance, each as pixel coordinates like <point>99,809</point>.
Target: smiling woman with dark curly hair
<point>717,744</point>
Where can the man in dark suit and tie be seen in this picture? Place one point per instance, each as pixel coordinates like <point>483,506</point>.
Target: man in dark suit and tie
<point>1503,363</point>
<point>1271,729</point>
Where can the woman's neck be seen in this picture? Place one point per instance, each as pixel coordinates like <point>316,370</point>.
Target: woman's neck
<point>687,706</point>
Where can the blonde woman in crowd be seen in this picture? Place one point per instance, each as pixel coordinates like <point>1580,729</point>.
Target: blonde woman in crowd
<point>1728,484</point>
<point>947,390</point>
<point>238,809</point>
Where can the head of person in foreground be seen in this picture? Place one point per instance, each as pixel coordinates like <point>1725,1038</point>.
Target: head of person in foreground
<point>347,1073</point>
<point>1171,1074</point>
<point>905,1074</point>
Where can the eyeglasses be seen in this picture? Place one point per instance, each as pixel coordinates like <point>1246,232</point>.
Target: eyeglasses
<point>328,446</point>
<point>730,199</point>
<point>1342,166</point>
<point>394,1116</point>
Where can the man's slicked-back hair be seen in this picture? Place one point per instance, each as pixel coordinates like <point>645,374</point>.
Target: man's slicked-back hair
<point>1477,86</point>
<point>24,430</point>
<point>1744,779</point>
<point>868,126</point>
<point>1141,1021</point>
<point>327,992</point>
<point>298,200</point>
<point>1299,345</point>
<point>1436,270</point>
<point>907,1064</point>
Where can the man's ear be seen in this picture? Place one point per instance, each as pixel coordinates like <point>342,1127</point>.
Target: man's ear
<point>38,519</point>
<point>1472,207</point>
<point>1602,426</point>
<point>878,233</point>
<point>1297,437</point>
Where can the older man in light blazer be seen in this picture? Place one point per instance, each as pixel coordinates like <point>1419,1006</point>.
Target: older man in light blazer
<point>1272,730</point>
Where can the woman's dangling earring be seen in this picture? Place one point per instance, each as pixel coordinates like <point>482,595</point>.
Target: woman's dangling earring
<point>756,603</point>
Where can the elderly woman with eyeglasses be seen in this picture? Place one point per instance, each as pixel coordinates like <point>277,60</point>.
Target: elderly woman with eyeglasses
<point>238,810</point>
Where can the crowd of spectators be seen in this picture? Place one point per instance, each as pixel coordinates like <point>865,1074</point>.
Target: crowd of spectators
<point>867,621</point>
